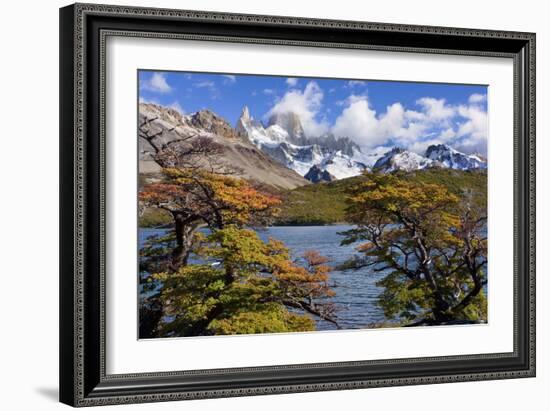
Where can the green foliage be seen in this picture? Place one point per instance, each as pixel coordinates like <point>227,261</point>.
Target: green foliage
<point>271,318</point>
<point>428,237</point>
<point>246,287</point>
<point>325,203</point>
<point>403,297</point>
<point>188,295</point>
<point>155,253</point>
<point>456,181</point>
<point>314,204</point>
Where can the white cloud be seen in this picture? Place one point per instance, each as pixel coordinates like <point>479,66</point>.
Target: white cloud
<point>355,83</point>
<point>361,123</point>
<point>210,86</point>
<point>447,134</point>
<point>177,106</point>
<point>435,122</point>
<point>292,81</point>
<point>477,98</point>
<point>205,84</point>
<point>156,84</point>
<point>444,137</point>
<point>476,123</point>
<point>436,110</point>
<point>148,100</point>
<point>414,115</point>
<point>306,104</point>
<point>268,91</point>
<point>230,78</point>
<point>473,132</point>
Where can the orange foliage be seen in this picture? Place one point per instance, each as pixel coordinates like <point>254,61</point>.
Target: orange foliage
<point>211,197</point>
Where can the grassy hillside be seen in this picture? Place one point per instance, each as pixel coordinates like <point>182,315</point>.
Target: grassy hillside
<point>324,203</point>
<point>154,217</point>
<point>315,204</point>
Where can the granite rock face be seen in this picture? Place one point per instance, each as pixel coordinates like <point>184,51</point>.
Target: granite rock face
<point>284,139</point>
<point>170,129</point>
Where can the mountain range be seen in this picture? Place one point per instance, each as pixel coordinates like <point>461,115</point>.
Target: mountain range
<point>279,153</point>
<point>326,158</point>
<point>168,128</point>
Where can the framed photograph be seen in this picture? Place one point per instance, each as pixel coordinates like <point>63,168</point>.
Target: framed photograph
<point>260,204</point>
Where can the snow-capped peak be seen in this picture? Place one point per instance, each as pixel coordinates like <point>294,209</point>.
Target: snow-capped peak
<point>290,122</point>
<point>244,123</point>
<point>451,158</point>
<point>400,159</point>
<point>257,133</point>
<point>284,140</point>
<point>245,114</point>
<point>439,155</point>
<point>341,165</point>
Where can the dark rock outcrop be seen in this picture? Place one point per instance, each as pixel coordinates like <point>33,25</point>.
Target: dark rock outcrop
<point>317,175</point>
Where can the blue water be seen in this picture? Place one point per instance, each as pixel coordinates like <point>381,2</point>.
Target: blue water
<point>356,292</point>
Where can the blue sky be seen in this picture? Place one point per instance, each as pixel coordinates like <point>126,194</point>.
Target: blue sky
<point>372,113</point>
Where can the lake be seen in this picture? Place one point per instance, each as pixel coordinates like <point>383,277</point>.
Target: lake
<point>356,292</point>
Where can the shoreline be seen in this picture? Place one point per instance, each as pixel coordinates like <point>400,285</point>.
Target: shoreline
<point>171,226</point>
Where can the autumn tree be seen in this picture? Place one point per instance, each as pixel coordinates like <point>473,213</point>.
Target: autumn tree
<point>240,283</point>
<point>429,244</point>
<point>245,285</point>
<point>199,198</point>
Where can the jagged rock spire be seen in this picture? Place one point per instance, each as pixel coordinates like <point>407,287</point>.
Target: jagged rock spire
<point>290,122</point>
<point>245,113</point>
<point>244,122</point>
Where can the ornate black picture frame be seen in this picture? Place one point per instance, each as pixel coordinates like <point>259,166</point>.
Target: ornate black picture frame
<point>83,32</point>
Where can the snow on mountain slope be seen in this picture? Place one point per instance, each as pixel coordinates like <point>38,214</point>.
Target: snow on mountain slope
<point>284,140</point>
<point>342,166</point>
<point>451,158</point>
<point>280,154</point>
<point>368,159</point>
<point>400,159</point>
<point>439,155</point>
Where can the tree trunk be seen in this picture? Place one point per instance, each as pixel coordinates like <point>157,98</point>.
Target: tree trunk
<point>441,306</point>
<point>185,231</point>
